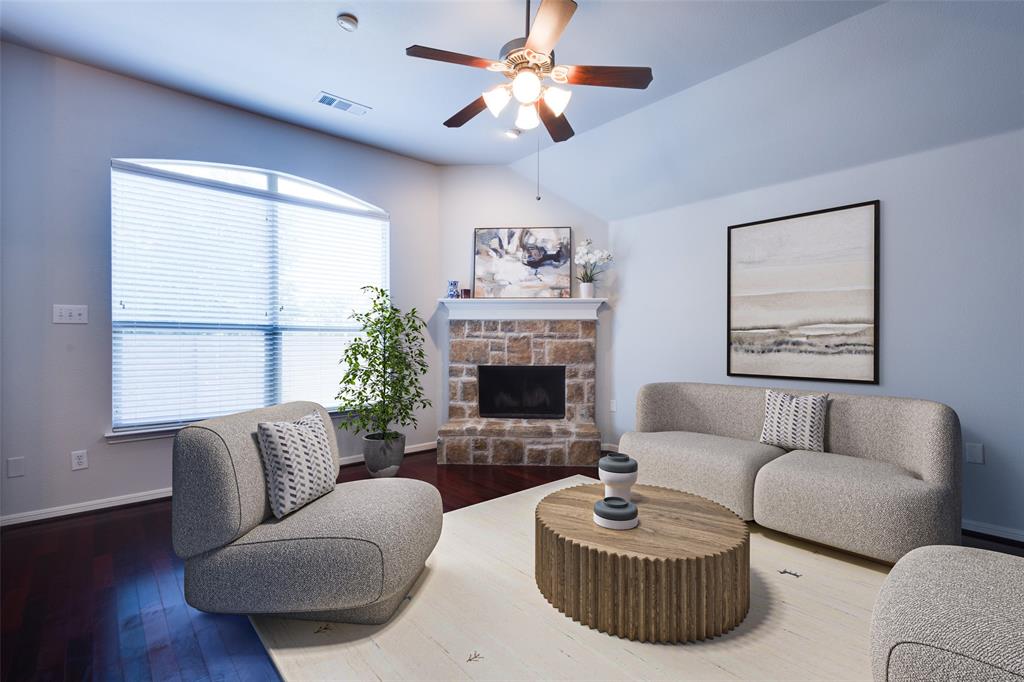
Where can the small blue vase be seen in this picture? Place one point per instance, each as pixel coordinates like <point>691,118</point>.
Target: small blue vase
<point>453,288</point>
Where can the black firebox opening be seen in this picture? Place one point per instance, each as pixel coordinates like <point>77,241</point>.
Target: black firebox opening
<point>522,391</point>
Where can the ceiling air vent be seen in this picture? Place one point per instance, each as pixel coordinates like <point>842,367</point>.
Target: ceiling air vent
<point>335,102</point>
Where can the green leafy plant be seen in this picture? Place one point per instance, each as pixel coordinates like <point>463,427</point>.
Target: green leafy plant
<point>381,386</point>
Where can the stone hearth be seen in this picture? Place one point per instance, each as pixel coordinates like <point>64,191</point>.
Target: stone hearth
<point>469,439</point>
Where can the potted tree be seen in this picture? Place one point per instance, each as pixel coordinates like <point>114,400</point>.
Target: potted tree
<point>380,390</point>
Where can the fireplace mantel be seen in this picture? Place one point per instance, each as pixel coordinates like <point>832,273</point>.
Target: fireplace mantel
<point>522,308</point>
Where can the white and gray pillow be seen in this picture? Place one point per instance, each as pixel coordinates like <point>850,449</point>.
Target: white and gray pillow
<point>297,462</point>
<point>794,422</point>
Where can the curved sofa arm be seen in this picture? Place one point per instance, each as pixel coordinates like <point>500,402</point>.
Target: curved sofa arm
<point>935,429</point>
<point>659,407</point>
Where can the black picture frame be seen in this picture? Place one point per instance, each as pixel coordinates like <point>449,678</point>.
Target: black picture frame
<point>876,232</point>
<point>571,263</point>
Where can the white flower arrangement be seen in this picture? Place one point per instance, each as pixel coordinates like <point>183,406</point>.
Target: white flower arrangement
<point>590,260</point>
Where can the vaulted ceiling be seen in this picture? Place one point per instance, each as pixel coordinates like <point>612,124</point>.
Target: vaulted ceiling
<point>274,57</point>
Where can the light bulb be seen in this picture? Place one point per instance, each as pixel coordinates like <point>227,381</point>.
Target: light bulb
<point>512,133</point>
<point>496,99</point>
<point>526,86</point>
<point>557,99</point>
<point>527,118</point>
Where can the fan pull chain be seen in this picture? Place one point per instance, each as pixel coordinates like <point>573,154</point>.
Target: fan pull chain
<point>538,167</point>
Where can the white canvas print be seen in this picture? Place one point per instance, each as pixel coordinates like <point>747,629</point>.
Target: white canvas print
<point>802,298</point>
<point>522,262</point>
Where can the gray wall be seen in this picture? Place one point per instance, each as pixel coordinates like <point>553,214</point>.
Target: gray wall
<point>918,104</point>
<point>62,122</point>
<point>899,78</point>
<point>952,286</point>
<point>494,196</point>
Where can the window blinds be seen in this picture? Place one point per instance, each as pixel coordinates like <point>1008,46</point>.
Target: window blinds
<point>229,297</point>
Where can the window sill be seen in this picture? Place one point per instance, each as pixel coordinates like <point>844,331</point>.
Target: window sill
<point>160,432</point>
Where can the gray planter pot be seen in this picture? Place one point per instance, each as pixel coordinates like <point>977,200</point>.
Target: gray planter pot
<point>383,457</point>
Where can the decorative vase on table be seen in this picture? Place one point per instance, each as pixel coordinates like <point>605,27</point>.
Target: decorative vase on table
<point>586,290</point>
<point>618,473</point>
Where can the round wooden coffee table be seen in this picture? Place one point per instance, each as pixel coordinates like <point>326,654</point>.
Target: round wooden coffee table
<point>682,575</point>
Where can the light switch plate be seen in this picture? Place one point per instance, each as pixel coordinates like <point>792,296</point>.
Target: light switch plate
<point>64,313</point>
<point>974,453</point>
<point>611,405</point>
<point>15,467</point>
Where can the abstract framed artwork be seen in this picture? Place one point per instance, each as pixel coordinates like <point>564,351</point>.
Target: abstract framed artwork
<point>802,299</point>
<point>522,262</point>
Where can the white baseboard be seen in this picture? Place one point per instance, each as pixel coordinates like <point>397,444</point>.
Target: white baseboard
<point>409,449</point>
<point>993,529</point>
<point>132,498</point>
<point>79,507</point>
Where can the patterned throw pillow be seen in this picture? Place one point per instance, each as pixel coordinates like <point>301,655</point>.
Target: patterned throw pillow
<point>297,462</point>
<point>794,422</point>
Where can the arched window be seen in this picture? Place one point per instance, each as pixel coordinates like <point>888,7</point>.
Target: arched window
<point>232,288</point>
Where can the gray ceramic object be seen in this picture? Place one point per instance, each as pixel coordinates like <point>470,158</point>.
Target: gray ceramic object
<point>615,509</point>
<point>617,463</point>
<point>383,458</point>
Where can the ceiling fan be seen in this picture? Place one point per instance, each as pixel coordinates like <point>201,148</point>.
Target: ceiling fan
<point>526,62</point>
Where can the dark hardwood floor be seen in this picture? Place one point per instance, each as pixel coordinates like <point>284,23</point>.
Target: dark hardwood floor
<point>100,596</point>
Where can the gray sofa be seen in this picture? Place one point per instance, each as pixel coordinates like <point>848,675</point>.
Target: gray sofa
<point>888,481</point>
<point>950,613</point>
<point>349,556</point>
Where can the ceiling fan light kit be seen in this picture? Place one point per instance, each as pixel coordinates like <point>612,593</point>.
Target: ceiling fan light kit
<point>526,62</point>
<point>526,86</point>
<point>527,118</point>
<point>557,99</point>
<point>497,99</point>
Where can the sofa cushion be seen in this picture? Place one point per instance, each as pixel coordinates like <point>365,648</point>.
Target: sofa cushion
<point>865,506</point>
<point>349,548</point>
<point>794,422</point>
<point>719,468</point>
<point>297,462</point>
<point>950,613</point>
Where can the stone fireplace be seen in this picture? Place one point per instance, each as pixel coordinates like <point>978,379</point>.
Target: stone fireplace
<point>541,376</point>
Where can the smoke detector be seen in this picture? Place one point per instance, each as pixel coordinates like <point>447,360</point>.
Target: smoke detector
<point>349,22</point>
<point>342,104</point>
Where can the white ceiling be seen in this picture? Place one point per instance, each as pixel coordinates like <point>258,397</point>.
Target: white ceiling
<point>273,57</point>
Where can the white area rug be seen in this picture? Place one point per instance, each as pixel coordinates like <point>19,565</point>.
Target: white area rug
<point>476,613</point>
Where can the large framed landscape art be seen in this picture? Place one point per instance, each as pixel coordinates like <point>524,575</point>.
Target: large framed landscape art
<point>803,296</point>
<point>522,262</point>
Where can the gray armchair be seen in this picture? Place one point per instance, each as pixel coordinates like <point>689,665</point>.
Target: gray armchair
<point>349,556</point>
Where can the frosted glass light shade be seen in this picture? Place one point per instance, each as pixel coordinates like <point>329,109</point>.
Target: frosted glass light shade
<point>496,99</point>
<point>526,86</point>
<point>557,99</point>
<point>527,118</point>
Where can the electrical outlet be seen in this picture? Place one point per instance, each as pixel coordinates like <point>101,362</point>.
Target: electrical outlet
<point>70,314</point>
<point>15,467</point>
<point>611,405</point>
<point>79,460</point>
<point>974,453</point>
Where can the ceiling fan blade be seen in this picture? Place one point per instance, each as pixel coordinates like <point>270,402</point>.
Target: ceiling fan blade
<point>467,112</point>
<point>636,77</point>
<point>446,56</point>
<point>558,127</point>
<point>552,18</point>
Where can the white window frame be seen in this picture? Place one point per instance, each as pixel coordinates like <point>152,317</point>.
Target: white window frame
<point>358,208</point>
